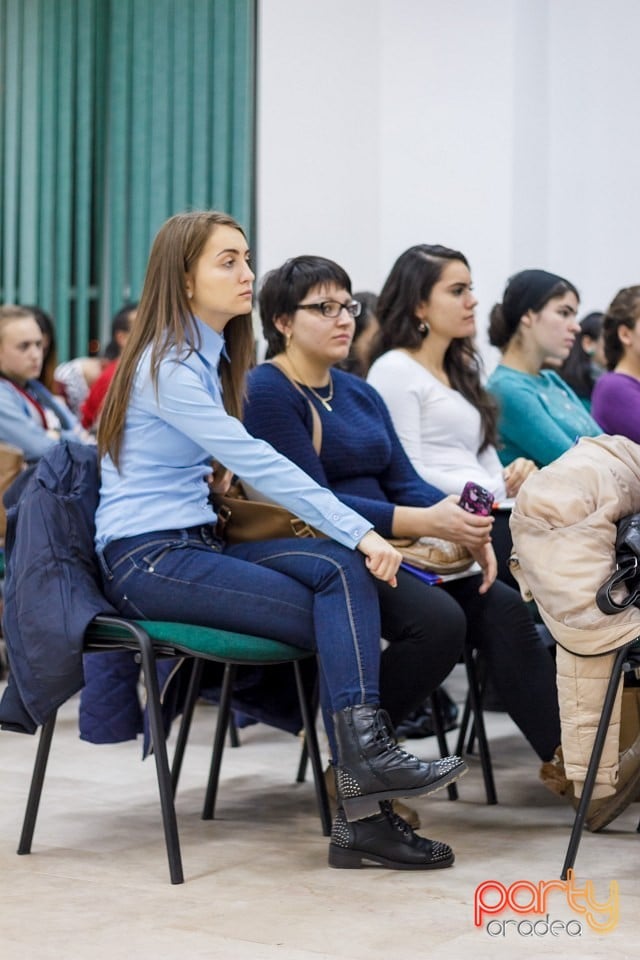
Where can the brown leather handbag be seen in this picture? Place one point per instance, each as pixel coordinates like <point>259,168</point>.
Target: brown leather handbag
<point>434,554</point>
<point>241,519</point>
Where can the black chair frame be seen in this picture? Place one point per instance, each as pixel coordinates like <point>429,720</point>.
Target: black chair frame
<point>627,658</point>
<point>473,714</point>
<point>135,638</point>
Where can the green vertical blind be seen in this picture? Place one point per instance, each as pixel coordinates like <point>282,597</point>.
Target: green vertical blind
<point>115,114</point>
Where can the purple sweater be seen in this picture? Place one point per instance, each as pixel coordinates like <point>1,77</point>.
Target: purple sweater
<point>361,459</point>
<point>615,404</point>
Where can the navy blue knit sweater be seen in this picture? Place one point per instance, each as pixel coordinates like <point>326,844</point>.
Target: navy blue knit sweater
<point>361,459</point>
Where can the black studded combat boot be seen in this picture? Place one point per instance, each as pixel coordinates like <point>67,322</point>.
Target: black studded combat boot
<point>385,840</point>
<point>372,767</point>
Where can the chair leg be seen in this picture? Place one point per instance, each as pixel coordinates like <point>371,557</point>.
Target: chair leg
<point>475,698</point>
<point>191,698</point>
<point>301,775</point>
<point>37,782</point>
<point>311,743</point>
<point>438,727</point>
<point>464,726</point>
<point>165,789</point>
<point>594,762</point>
<point>234,739</point>
<point>224,713</point>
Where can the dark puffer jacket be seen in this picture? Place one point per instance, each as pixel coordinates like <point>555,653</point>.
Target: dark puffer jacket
<point>52,588</point>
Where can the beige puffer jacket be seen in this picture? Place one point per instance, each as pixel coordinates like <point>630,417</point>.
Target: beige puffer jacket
<point>563,526</point>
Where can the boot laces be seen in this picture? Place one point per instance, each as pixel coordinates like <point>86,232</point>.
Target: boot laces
<point>384,735</point>
<point>398,822</point>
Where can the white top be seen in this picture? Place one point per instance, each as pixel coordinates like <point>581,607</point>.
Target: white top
<point>438,428</point>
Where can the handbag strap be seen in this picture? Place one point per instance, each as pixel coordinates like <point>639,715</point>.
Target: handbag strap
<point>316,435</point>
<point>627,570</point>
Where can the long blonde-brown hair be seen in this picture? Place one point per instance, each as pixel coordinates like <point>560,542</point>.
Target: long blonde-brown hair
<point>164,320</point>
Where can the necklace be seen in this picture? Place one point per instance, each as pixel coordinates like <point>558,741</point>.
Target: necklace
<point>325,401</point>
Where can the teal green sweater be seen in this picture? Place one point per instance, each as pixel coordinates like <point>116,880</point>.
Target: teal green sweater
<point>540,416</point>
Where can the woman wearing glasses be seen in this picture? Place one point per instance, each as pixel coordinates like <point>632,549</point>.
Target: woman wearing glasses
<point>307,314</point>
<point>173,406</point>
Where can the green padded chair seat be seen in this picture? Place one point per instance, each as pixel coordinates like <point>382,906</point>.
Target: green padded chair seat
<point>206,641</point>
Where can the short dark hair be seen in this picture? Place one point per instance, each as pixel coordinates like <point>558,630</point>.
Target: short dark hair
<point>121,323</point>
<point>285,287</point>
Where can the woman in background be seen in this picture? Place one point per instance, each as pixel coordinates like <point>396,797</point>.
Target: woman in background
<point>616,395</point>
<point>366,328</point>
<point>586,361</point>
<point>49,360</point>
<point>31,419</point>
<point>539,414</point>
<point>120,330</point>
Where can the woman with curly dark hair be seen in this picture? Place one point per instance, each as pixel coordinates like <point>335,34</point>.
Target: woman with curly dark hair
<point>428,372</point>
<point>616,395</point>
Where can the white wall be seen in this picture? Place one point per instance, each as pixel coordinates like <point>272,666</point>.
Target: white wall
<point>504,128</point>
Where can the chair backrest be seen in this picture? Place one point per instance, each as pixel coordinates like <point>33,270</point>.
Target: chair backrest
<point>51,576</point>
<point>11,464</point>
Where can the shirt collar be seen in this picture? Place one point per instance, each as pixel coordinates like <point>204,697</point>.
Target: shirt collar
<point>213,345</point>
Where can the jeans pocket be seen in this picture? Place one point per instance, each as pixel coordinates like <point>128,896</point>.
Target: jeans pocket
<point>149,557</point>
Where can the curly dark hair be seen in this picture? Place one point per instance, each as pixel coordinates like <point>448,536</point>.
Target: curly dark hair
<point>410,282</point>
<point>623,311</point>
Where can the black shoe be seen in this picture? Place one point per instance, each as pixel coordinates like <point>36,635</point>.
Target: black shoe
<point>371,766</point>
<point>386,840</point>
<point>419,723</point>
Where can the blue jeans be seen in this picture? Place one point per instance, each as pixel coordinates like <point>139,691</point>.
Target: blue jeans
<point>310,593</point>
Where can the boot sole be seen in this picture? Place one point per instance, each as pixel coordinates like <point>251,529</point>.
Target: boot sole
<point>348,859</point>
<point>356,808</point>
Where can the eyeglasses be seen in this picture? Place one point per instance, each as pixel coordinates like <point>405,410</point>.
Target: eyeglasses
<point>332,308</point>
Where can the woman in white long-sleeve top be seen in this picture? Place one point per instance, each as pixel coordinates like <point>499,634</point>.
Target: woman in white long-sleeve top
<point>428,372</point>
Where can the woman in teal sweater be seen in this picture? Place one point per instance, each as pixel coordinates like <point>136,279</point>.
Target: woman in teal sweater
<point>540,415</point>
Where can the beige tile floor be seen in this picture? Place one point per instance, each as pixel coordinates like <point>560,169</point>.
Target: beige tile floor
<point>257,884</point>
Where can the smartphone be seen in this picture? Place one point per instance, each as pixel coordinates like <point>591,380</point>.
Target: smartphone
<point>476,499</point>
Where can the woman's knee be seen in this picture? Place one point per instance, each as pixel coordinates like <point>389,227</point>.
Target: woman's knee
<point>423,613</point>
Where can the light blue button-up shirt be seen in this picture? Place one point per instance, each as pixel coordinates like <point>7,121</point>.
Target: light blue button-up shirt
<point>171,436</point>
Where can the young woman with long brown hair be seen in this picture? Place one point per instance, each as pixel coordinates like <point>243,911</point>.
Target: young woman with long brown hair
<point>174,406</point>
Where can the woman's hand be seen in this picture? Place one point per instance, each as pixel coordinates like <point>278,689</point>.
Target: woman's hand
<point>486,557</point>
<point>219,480</point>
<point>516,473</point>
<point>449,522</point>
<point>382,559</point>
